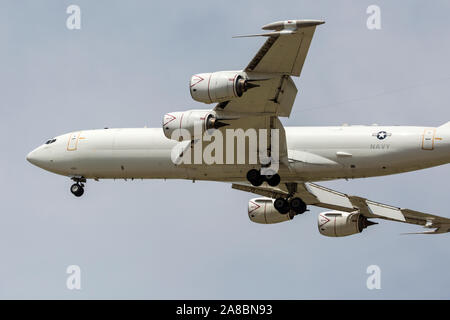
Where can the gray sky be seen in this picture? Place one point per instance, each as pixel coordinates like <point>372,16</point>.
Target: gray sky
<point>128,65</point>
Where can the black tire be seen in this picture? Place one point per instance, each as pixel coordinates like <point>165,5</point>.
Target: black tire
<point>258,181</point>
<point>255,178</point>
<point>252,174</point>
<point>281,205</point>
<point>298,205</point>
<point>273,180</point>
<point>77,190</point>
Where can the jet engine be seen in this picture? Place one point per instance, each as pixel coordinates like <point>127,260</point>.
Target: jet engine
<point>262,210</point>
<point>341,224</point>
<point>190,124</point>
<point>218,86</point>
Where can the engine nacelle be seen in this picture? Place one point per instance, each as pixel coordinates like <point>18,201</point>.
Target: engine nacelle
<point>341,224</point>
<point>194,123</point>
<point>218,86</point>
<point>261,210</point>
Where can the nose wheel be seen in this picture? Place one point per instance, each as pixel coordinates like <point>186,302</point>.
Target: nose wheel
<point>77,188</point>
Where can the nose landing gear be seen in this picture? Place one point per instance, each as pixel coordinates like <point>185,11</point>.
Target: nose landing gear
<point>77,189</point>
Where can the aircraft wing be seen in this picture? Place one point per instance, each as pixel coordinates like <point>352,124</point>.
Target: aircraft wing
<point>316,195</point>
<point>285,50</point>
<point>283,54</point>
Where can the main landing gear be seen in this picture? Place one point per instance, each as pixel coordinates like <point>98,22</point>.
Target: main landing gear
<point>283,205</point>
<point>296,205</point>
<point>290,204</point>
<point>77,189</point>
<point>256,178</point>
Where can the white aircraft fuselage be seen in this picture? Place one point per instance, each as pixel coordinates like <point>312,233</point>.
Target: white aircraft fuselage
<point>315,154</point>
<point>260,156</point>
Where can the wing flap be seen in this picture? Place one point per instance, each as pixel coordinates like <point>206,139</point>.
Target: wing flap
<point>382,210</point>
<point>329,197</point>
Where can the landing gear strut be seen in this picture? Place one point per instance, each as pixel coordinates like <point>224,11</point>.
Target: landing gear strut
<point>77,189</point>
<point>256,178</point>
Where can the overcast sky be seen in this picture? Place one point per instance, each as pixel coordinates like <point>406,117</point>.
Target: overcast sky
<point>130,64</point>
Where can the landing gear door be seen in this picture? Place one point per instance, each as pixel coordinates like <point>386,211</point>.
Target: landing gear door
<point>428,139</point>
<point>73,141</point>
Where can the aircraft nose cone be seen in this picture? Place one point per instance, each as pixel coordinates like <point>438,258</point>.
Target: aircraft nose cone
<point>32,158</point>
<point>40,158</point>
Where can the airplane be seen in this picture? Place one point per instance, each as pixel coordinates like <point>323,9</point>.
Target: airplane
<point>255,98</point>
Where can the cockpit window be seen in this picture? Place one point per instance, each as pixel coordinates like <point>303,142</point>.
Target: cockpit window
<point>50,141</point>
